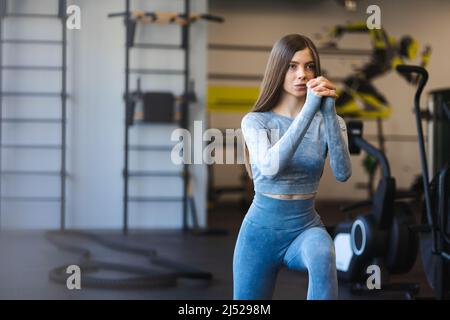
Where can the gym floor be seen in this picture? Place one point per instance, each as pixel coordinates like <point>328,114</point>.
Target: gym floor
<point>28,256</point>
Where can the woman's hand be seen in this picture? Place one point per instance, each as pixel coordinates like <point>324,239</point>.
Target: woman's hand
<point>322,87</point>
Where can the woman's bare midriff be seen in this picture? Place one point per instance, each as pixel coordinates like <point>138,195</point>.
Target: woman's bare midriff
<point>291,196</point>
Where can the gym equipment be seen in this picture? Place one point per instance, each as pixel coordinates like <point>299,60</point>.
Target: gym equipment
<point>155,106</point>
<point>438,119</point>
<point>155,275</point>
<point>143,17</point>
<point>8,21</point>
<point>162,272</point>
<point>380,237</point>
<point>152,102</point>
<point>359,98</point>
<point>435,236</point>
<point>167,17</point>
<point>130,20</point>
<point>388,234</point>
<point>231,98</point>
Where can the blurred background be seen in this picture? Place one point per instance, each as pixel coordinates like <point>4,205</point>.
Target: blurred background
<point>92,91</point>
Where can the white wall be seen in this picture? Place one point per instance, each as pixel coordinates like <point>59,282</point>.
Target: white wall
<point>261,23</point>
<point>96,122</point>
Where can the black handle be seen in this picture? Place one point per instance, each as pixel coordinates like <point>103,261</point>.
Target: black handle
<point>405,68</point>
<point>152,15</point>
<point>211,17</point>
<point>408,69</point>
<point>117,14</point>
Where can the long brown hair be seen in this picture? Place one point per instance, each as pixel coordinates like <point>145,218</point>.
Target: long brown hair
<point>271,87</point>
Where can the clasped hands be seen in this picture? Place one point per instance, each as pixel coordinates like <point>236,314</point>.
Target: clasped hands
<point>323,87</point>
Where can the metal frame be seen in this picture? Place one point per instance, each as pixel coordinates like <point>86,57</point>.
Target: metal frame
<point>183,122</point>
<point>61,15</point>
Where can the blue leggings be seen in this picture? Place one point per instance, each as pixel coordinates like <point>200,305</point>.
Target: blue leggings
<point>283,232</point>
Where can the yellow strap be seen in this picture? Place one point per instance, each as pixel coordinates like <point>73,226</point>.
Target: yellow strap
<point>378,39</point>
<point>356,26</point>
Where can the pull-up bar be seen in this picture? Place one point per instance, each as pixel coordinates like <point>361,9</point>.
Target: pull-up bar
<point>166,17</point>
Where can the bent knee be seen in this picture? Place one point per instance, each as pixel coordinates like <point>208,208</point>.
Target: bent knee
<point>323,254</point>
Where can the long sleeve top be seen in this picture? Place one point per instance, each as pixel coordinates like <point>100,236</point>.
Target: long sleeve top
<point>287,155</point>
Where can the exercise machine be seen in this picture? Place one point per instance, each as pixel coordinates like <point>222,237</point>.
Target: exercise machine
<point>382,236</point>
<point>388,236</point>
<point>435,236</point>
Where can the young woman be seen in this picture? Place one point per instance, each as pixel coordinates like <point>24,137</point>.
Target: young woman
<point>288,134</point>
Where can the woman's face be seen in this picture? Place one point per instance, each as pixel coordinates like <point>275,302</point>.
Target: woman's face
<point>301,69</point>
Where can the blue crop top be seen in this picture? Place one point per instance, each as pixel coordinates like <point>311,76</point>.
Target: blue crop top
<point>287,155</point>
